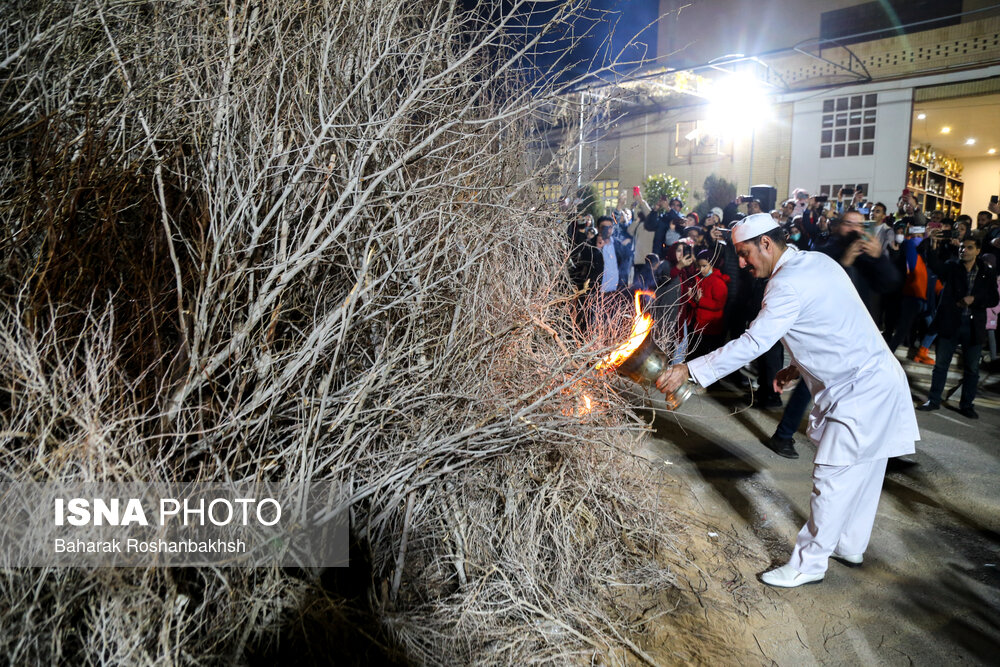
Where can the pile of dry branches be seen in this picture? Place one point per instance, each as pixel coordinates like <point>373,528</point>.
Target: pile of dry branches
<point>298,241</point>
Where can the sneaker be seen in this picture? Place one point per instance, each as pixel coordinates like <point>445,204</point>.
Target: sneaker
<point>783,447</point>
<point>928,406</point>
<point>968,412</point>
<point>923,356</point>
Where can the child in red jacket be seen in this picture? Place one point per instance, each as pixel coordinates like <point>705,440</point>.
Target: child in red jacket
<point>710,290</point>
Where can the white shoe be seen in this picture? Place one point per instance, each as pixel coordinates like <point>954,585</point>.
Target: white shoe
<point>852,559</point>
<point>787,576</point>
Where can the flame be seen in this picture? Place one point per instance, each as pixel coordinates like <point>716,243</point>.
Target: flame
<point>641,325</point>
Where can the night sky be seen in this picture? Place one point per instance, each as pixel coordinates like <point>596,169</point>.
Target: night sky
<point>609,25</point>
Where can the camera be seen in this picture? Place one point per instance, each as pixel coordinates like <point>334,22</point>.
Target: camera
<point>947,233</point>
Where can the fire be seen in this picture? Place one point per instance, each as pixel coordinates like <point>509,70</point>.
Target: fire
<point>641,325</point>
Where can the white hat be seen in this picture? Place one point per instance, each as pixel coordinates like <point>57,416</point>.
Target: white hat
<point>717,212</point>
<point>753,226</point>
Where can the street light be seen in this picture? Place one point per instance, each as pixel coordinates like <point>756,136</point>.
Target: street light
<point>737,107</point>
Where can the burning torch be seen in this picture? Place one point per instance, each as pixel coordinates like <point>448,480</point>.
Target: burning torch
<point>641,360</point>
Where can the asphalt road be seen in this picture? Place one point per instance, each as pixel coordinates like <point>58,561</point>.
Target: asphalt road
<point>928,592</point>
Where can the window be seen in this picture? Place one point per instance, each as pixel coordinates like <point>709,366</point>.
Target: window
<point>832,190</point>
<point>607,191</point>
<point>848,128</point>
<point>552,193</point>
<point>692,137</point>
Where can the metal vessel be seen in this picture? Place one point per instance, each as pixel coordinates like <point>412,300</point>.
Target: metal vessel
<point>645,364</point>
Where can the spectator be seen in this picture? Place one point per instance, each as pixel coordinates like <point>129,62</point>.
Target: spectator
<point>991,314</point>
<point>970,287</point>
<point>870,270</point>
<point>653,232</point>
<point>624,247</point>
<point>606,244</point>
<point>882,225</point>
<point>795,237</point>
<point>989,230</point>
<point>716,213</point>
<point>710,293</point>
<point>683,274</point>
<point>696,235</point>
<point>651,274</point>
<point>918,284</point>
<point>984,219</point>
<point>732,210</point>
<point>802,202</point>
<point>787,211</point>
<point>585,263</point>
<point>889,303</point>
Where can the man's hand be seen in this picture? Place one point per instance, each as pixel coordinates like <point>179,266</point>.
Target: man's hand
<point>785,377</point>
<point>671,379</point>
<point>994,208</point>
<point>853,251</point>
<point>685,260</point>
<point>871,245</point>
<point>859,197</point>
<point>967,300</point>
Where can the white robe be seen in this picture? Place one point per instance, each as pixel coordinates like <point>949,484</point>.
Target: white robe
<point>863,409</point>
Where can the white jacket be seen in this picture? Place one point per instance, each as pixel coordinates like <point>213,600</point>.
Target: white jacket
<point>863,409</point>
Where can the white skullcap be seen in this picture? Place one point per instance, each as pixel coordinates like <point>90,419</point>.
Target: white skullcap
<point>753,226</point>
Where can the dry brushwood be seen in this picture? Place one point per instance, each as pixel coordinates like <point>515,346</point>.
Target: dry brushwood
<point>299,241</point>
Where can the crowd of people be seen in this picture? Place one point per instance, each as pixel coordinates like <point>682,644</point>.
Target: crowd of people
<point>927,281</point>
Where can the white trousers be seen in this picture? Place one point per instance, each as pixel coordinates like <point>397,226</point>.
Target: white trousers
<point>842,511</point>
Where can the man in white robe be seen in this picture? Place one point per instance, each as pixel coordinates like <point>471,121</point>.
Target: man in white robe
<point>863,414</point>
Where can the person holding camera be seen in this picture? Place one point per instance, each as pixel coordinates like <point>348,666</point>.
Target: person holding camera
<point>970,288</point>
<point>732,210</point>
<point>652,230</point>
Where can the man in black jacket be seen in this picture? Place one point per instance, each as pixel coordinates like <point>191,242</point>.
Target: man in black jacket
<point>869,268</point>
<point>970,287</point>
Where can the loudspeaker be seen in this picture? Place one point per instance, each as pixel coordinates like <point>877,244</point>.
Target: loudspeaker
<point>767,195</point>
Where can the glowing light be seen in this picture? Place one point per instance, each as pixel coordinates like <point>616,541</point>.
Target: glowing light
<point>945,130</point>
<point>991,151</point>
<point>641,325</point>
<point>970,142</point>
<point>736,107</point>
<point>921,116</point>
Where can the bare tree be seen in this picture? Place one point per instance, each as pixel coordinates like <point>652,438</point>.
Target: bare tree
<point>299,241</point>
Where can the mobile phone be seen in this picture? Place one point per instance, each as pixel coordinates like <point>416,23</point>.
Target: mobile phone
<point>994,199</point>
<point>744,199</point>
<point>848,192</point>
<point>635,191</point>
<point>820,199</point>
